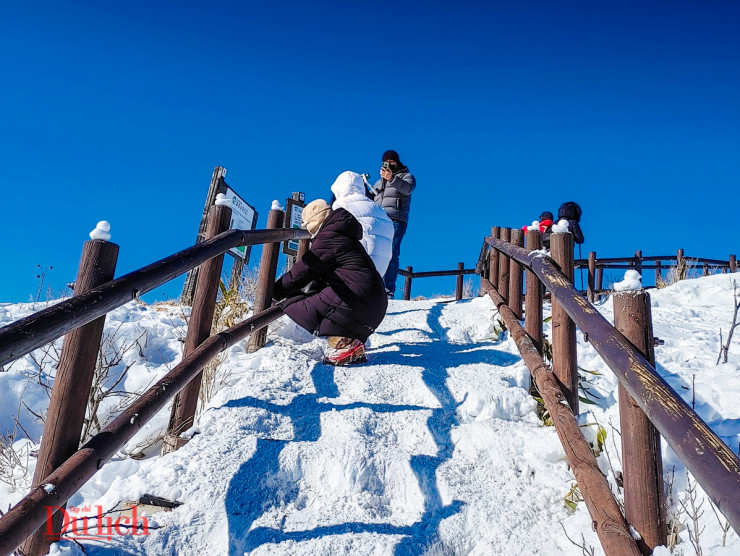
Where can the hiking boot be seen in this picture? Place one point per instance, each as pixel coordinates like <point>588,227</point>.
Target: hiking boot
<point>345,351</point>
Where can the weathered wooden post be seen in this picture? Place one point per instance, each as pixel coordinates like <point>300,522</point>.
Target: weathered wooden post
<point>680,265</point>
<point>217,186</point>
<point>564,356</point>
<point>459,288</point>
<point>494,258</point>
<point>303,245</point>
<point>533,303</point>
<point>407,283</point>
<point>199,329</point>
<point>69,396</point>
<point>733,263</point>
<point>658,273</point>
<point>533,297</point>
<point>515,275</point>
<point>641,454</point>
<point>705,269</point>
<point>599,280</point>
<point>638,262</point>
<point>266,279</point>
<point>503,267</point>
<point>591,276</point>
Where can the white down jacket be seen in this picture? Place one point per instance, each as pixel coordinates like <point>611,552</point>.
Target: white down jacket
<point>377,228</point>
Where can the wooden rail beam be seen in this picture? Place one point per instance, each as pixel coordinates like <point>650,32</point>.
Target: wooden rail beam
<point>30,513</point>
<point>714,465</point>
<point>26,334</point>
<point>608,521</point>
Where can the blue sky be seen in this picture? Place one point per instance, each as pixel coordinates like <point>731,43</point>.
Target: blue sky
<point>120,111</point>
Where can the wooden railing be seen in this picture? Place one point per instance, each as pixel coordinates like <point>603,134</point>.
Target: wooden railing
<point>646,400</point>
<point>62,468</point>
<point>679,264</point>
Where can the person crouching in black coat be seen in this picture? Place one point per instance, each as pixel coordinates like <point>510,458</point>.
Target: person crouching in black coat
<point>346,300</point>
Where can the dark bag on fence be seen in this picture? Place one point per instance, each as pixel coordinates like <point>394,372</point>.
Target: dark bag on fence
<point>571,212</point>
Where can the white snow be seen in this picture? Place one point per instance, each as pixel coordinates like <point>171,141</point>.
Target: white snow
<point>101,231</point>
<point>432,447</point>
<point>222,200</point>
<point>632,281</point>
<point>276,205</point>
<point>560,227</point>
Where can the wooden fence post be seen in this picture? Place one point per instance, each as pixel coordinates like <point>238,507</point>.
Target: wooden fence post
<point>641,454</point>
<point>591,276</point>
<point>564,356</point>
<point>638,262</point>
<point>533,297</point>
<point>199,329</point>
<point>303,245</point>
<point>407,283</point>
<point>599,279</point>
<point>705,269</point>
<point>266,279</point>
<point>69,396</point>
<point>459,288</point>
<point>533,303</point>
<point>494,258</point>
<point>658,273</point>
<point>503,267</point>
<point>680,265</point>
<point>733,263</point>
<point>515,275</point>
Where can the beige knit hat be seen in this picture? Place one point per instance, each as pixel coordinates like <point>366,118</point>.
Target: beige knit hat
<point>314,214</point>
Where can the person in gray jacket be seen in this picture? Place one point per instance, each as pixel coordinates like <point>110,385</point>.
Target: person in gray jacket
<point>393,193</point>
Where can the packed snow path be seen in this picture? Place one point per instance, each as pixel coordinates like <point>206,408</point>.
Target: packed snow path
<point>432,447</point>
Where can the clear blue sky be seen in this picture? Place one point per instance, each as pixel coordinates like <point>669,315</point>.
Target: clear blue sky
<point>121,110</point>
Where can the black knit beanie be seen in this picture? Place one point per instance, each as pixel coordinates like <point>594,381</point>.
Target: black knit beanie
<point>391,155</point>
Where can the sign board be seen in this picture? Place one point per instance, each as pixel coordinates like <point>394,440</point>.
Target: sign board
<point>243,217</point>
<point>293,212</point>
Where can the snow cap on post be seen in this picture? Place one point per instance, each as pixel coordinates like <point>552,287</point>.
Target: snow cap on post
<point>276,205</point>
<point>222,200</point>
<point>101,231</point>
<point>632,281</point>
<point>561,227</point>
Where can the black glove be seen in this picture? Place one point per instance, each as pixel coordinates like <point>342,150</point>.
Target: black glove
<point>278,291</point>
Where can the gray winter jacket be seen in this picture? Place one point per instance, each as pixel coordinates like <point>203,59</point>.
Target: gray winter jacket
<point>395,195</point>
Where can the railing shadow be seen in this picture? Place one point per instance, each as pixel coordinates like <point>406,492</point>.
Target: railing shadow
<point>248,497</point>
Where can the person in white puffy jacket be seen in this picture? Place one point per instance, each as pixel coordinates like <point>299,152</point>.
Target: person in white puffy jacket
<point>377,228</point>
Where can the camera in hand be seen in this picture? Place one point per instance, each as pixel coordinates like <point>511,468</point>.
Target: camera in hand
<point>386,165</point>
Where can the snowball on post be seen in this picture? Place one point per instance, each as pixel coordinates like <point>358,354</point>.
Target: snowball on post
<point>632,281</point>
<point>222,200</point>
<point>101,231</point>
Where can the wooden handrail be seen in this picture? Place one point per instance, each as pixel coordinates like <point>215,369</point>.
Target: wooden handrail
<point>30,513</point>
<point>711,461</point>
<point>23,336</point>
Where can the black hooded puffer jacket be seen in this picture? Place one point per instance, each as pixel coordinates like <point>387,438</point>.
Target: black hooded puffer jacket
<point>348,296</point>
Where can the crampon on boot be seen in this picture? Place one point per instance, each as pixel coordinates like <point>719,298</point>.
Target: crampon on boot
<point>345,351</point>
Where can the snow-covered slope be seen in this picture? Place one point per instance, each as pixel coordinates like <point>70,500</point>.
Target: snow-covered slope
<point>432,447</point>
